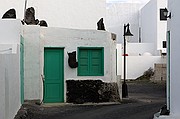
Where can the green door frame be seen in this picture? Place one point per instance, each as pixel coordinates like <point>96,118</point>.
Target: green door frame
<point>22,68</point>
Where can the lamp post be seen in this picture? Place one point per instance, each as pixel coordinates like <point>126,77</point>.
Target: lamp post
<point>124,85</point>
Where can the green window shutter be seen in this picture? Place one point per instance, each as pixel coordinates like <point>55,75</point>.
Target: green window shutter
<point>96,62</point>
<point>83,63</point>
<point>91,61</point>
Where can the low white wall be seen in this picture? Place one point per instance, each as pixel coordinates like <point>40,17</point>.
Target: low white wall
<point>137,65</point>
<point>136,62</point>
<point>10,84</point>
<point>139,49</point>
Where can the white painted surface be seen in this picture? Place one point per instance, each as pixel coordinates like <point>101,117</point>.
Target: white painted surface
<point>173,23</point>
<point>118,14</point>
<point>143,63</point>
<point>9,68</point>
<point>138,49</point>
<point>10,84</point>
<point>81,14</point>
<point>2,87</point>
<point>119,59</point>
<point>136,58</point>
<point>71,39</point>
<point>156,116</point>
<point>37,38</point>
<point>152,29</point>
<point>173,62</point>
<point>10,31</point>
<point>161,25</point>
<point>149,23</point>
<point>32,77</point>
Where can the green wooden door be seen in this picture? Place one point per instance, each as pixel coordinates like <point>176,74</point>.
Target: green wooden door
<point>54,75</point>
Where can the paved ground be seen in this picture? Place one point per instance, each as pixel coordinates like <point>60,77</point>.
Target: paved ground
<point>144,100</point>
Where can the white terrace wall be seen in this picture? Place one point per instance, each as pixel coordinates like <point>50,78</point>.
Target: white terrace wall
<point>81,14</point>
<point>139,49</point>
<point>37,38</point>
<point>137,65</point>
<point>140,58</point>
<point>9,82</point>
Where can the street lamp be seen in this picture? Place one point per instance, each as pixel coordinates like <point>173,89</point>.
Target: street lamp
<point>165,12</point>
<point>124,85</point>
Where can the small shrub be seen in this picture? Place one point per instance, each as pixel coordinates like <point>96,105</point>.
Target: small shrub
<point>146,75</point>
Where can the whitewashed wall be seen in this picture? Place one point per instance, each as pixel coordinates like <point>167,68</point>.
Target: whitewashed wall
<point>37,38</point>
<point>161,25</point>
<point>173,23</point>
<point>71,39</point>
<point>118,14</point>
<point>137,57</point>
<point>119,59</point>
<point>143,63</point>
<point>139,49</point>
<point>81,14</point>
<point>10,82</point>
<point>173,64</point>
<point>152,29</point>
<point>10,31</point>
<point>9,68</point>
<point>32,79</point>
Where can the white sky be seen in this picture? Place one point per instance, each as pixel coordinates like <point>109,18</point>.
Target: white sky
<point>129,1</point>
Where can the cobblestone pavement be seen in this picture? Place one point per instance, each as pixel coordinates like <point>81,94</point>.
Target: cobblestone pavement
<point>145,99</point>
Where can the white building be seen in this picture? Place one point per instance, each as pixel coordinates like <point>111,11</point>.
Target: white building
<point>149,36</point>
<point>173,81</point>
<point>11,71</point>
<point>152,29</point>
<point>40,44</point>
<point>30,55</point>
<point>81,14</point>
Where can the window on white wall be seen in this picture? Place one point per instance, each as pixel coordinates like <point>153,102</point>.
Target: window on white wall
<point>164,44</point>
<point>90,61</point>
<point>162,17</point>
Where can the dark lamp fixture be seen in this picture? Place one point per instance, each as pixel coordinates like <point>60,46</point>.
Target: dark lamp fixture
<point>165,12</point>
<point>128,32</point>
